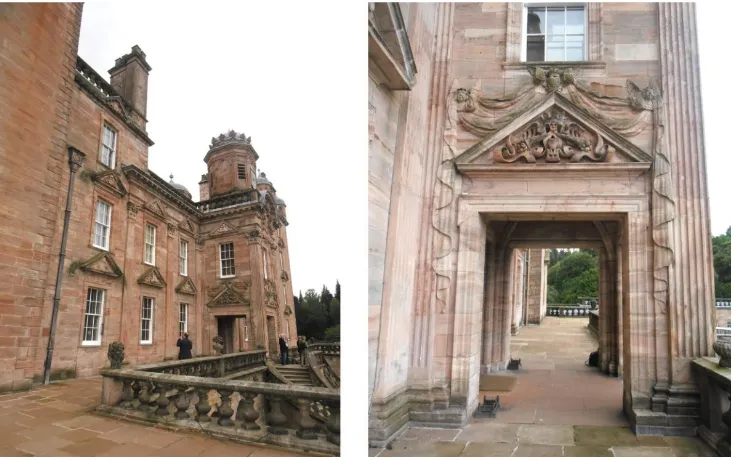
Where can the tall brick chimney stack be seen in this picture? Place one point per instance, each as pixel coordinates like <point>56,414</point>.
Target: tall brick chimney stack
<point>129,77</point>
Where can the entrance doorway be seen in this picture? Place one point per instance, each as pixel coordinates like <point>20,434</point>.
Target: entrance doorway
<point>225,329</point>
<point>272,337</point>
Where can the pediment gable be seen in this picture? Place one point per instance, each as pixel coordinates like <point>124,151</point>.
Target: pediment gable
<point>553,131</point>
<point>223,228</point>
<point>111,181</point>
<point>156,208</point>
<point>186,226</point>
<point>229,296</point>
<point>152,277</point>
<point>186,286</point>
<point>102,263</point>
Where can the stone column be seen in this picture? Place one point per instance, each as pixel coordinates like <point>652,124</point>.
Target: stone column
<point>505,326</point>
<point>690,287</point>
<point>536,266</point>
<point>468,311</point>
<point>517,291</point>
<point>488,332</point>
<point>544,284</point>
<point>257,302</point>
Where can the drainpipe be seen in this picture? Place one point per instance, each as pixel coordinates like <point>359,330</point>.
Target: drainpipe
<point>76,158</point>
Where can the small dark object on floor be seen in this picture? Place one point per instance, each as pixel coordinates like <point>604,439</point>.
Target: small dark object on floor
<point>593,359</point>
<point>389,446</point>
<point>514,365</point>
<point>489,408</point>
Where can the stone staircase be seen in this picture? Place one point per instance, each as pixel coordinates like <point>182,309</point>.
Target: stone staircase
<point>296,373</point>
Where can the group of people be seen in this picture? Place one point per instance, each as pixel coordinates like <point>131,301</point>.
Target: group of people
<point>185,346</point>
<point>301,344</point>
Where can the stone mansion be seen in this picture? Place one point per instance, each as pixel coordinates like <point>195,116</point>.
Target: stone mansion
<point>143,261</point>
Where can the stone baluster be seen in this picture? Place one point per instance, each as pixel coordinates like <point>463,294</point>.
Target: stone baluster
<point>334,422</point>
<point>306,425</point>
<point>202,406</point>
<point>246,412</point>
<point>276,417</point>
<point>145,396</point>
<point>182,403</point>
<point>225,409</point>
<point>162,400</point>
<point>127,394</point>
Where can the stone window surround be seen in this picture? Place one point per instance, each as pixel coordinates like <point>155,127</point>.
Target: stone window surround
<point>221,272</point>
<point>106,123</point>
<point>151,319</point>
<point>105,199</point>
<point>100,328</point>
<point>515,34</point>
<point>183,257</point>
<point>145,242</point>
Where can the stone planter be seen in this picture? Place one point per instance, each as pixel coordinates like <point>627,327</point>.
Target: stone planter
<point>723,349</point>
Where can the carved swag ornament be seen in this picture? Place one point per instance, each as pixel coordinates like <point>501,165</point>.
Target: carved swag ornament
<point>553,138</point>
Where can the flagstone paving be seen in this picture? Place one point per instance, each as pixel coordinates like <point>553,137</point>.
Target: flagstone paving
<point>558,407</point>
<point>57,421</point>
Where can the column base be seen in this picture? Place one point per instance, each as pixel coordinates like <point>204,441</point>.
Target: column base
<point>412,407</point>
<point>673,410</point>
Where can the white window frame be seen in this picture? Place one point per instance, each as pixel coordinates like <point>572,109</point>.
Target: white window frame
<point>106,127</point>
<point>247,332</point>
<point>143,319</point>
<point>265,264</point>
<point>107,226</point>
<point>183,318</point>
<point>221,261</point>
<point>524,34</point>
<point>99,315</point>
<point>183,257</point>
<point>151,245</point>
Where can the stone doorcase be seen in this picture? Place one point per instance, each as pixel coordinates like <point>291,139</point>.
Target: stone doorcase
<point>488,157</point>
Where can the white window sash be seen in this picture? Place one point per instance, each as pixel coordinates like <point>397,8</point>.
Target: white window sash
<point>109,146</point>
<point>102,224</point>
<point>100,315</point>
<point>183,318</point>
<point>143,320</point>
<point>184,258</point>
<point>524,34</point>
<point>149,246</point>
<point>265,264</point>
<point>226,254</point>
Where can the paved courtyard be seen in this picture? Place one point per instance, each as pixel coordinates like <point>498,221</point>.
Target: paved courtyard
<point>557,407</point>
<point>56,421</point>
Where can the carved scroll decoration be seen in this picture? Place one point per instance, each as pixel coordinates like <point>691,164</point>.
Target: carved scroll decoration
<point>663,202</point>
<point>555,139</point>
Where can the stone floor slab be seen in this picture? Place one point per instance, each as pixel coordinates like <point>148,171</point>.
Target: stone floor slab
<point>587,451</point>
<point>642,451</point>
<point>488,449</point>
<point>538,450</point>
<point>490,432</point>
<point>546,434</point>
<point>604,436</point>
<point>410,448</point>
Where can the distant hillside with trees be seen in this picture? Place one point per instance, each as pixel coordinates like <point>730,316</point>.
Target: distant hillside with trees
<point>318,315</point>
<point>722,264</point>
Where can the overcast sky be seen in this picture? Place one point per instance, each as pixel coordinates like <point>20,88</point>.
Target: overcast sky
<point>298,87</point>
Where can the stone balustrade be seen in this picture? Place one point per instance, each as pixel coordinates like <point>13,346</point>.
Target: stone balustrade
<point>723,303</point>
<point>226,399</point>
<point>714,383</point>
<point>594,322</point>
<point>723,333</point>
<point>568,310</point>
<point>328,348</point>
<point>225,201</point>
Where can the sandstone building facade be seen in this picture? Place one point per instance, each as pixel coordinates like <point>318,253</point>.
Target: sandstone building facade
<point>143,262</point>
<point>496,128</point>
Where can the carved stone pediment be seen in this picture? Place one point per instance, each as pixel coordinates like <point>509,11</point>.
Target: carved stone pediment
<point>553,131</point>
<point>111,181</point>
<point>102,263</point>
<point>223,228</point>
<point>152,277</point>
<point>186,226</point>
<point>186,286</point>
<point>156,209</point>
<point>228,295</point>
<point>271,298</point>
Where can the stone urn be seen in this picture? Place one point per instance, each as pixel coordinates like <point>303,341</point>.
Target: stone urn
<point>218,345</point>
<point>723,349</point>
<point>116,354</point>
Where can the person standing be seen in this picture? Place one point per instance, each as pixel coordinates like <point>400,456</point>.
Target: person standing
<point>302,349</point>
<point>184,346</point>
<point>283,350</point>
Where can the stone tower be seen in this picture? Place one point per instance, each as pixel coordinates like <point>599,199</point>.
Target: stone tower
<point>231,165</point>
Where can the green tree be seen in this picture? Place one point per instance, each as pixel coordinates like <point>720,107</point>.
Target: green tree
<point>338,291</point>
<point>334,313</point>
<point>721,246</point>
<point>332,334</point>
<point>574,275</point>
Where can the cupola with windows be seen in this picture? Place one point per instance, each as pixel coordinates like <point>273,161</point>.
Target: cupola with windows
<point>231,164</point>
